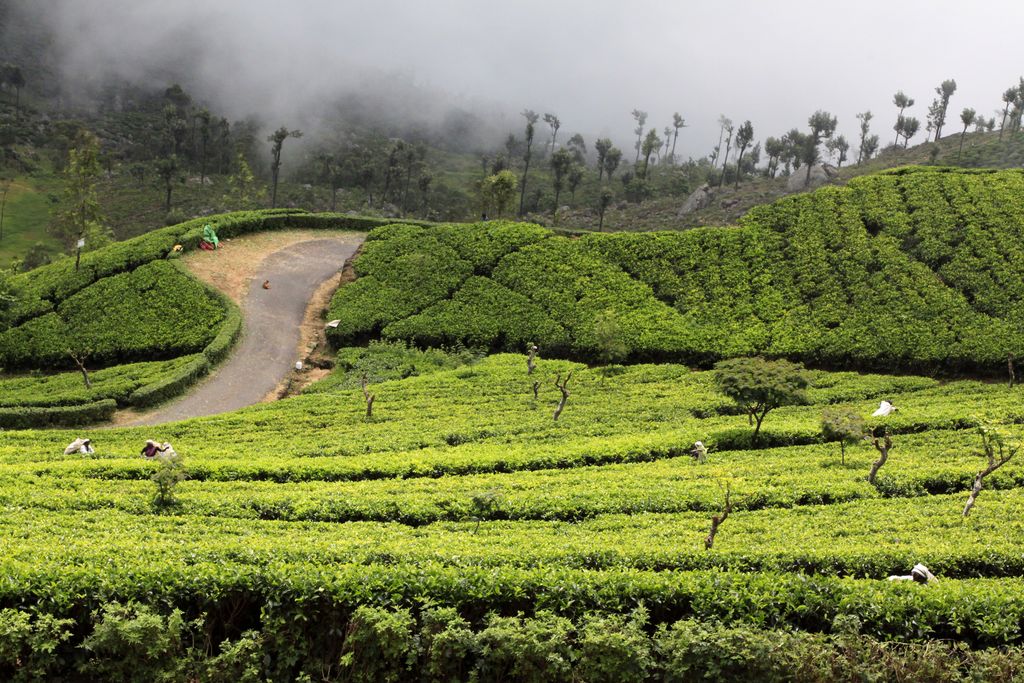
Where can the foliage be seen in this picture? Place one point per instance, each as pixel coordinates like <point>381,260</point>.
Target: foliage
<point>169,473</point>
<point>844,426</point>
<point>759,386</point>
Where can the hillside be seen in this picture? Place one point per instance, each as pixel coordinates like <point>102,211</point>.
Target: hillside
<point>916,269</point>
<point>423,513</point>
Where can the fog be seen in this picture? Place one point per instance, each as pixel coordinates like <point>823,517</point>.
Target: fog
<point>590,63</point>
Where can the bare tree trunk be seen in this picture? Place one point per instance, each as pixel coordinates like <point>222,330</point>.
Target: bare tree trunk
<point>565,393</point>
<point>1012,368</point>
<point>883,450</point>
<point>80,362</point>
<point>369,399</point>
<point>536,388</point>
<point>716,521</point>
<point>979,481</point>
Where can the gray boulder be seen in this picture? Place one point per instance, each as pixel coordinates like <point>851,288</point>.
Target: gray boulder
<point>821,174</point>
<point>699,199</point>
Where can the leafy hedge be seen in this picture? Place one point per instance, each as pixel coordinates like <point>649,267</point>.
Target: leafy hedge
<point>153,312</point>
<point>914,270</point>
<point>35,417</point>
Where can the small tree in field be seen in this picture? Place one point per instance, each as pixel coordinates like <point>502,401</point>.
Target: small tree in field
<point>843,425</point>
<point>999,449</point>
<point>611,348</point>
<point>170,472</point>
<point>759,386</point>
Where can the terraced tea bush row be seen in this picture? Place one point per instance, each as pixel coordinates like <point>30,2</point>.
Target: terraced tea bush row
<point>89,559</point>
<point>855,285</point>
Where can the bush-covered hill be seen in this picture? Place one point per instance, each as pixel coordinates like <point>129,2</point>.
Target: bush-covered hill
<point>912,269</point>
<point>144,328</point>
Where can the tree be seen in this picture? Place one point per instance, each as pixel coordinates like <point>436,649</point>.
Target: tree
<point>641,118</point>
<point>562,386</point>
<point>561,162</point>
<point>744,136</point>
<point>555,124</point>
<point>243,191</point>
<point>723,124</point>
<point>677,123</point>
<point>774,148</point>
<point>945,90</point>
<point>865,127</point>
<point>870,147</point>
<point>839,146</point>
<point>169,171</point>
<point>531,120</point>
<point>901,101</point>
<point>602,146</point>
<point>967,117</point>
<point>882,444</point>
<point>758,386</point>
<point>1009,97</point>
<point>611,161</point>
<point>276,141</point>
<point>716,520</point>
<point>651,143</point>
<point>843,426</point>
<point>578,147</point>
<point>608,341</point>
<point>79,216</point>
<point>910,127</point>
<point>822,125</point>
<point>725,159</point>
<point>604,200</point>
<point>203,116</point>
<point>501,190</point>
<point>998,450</point>
<point>575,178</point>
<point>169,473</point>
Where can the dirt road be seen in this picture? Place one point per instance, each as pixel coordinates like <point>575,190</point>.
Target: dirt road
<point>267,352</point>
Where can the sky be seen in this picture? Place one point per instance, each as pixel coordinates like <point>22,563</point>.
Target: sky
<point>590,63</point>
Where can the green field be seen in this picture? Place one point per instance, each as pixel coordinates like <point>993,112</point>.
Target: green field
<point>462,533</point>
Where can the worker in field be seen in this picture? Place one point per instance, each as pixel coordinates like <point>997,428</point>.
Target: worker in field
<point>83,446</point>
<point>699,452</point>
<point>150,450</point>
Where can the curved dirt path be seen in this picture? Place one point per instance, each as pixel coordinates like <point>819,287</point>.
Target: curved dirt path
<point>268,349</point>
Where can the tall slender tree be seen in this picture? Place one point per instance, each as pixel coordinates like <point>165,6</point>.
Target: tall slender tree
<point>531,120</point>
<point>967,117</point>
<point>602,146</point>
<point>651,143</point>
<point>744,136</point>
<point>774,148</point>
<point>667,132</point>
<point>554,124</point>
<point>910,127</point>
<point>276,141</point>
<point>901,101</point>
<point>945,90</point>
<point>641,118</point>
<point>822,125</point>
<point>1009,97</point>
<point>677,123</point>
<point>865,126</point>
<point>723,123</point>
<point>611,161</point>
<point>725,158</point>
<point>561,164</point>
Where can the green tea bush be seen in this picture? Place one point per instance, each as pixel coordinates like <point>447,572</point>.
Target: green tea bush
<point>915,271</point>
<point>153,312</point>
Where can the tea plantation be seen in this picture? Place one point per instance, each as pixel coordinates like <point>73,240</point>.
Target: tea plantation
<point>461,533</point>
